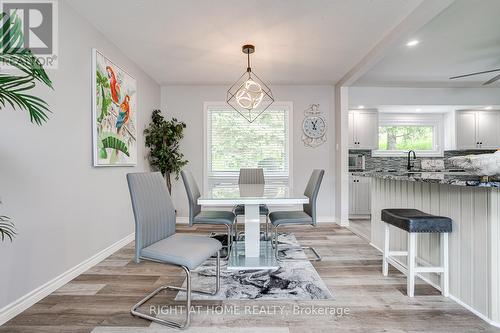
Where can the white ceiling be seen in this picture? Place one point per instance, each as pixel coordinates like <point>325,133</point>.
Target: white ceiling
<point>464,38</point>
<point>199,41</point>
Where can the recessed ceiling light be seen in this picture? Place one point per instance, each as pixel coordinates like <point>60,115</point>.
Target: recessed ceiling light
<point>412,42</point>
<point>488,108</point>
<point>361,106</point>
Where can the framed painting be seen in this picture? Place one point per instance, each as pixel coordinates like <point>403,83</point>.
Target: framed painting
<point>114,113</point>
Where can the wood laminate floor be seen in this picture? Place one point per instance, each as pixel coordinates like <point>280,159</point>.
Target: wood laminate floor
<point>351,269</point>
<point>361,227</point>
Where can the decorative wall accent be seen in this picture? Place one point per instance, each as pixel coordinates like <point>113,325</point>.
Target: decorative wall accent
<point>314,127</point>
<point>114,111</point>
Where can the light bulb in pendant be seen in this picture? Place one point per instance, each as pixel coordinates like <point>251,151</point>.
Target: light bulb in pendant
<point>249,95</point>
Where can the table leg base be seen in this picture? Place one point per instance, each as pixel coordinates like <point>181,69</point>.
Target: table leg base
<point>266,260</point>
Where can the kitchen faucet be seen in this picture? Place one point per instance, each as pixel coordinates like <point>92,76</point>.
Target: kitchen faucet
<point>410,165</point>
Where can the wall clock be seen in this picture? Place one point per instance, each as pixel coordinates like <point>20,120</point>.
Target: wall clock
<point>314,127</point>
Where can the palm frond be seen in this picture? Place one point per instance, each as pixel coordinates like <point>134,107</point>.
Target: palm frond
<point>7,228</point>
<point>13,88</point>
<point>11,33</point>
<point>13,53</point>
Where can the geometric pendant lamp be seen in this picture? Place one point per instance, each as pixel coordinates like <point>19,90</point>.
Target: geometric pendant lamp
<point>249,95</point>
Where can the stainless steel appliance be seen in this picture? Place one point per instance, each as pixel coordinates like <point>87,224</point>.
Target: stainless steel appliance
<point>356,162</point>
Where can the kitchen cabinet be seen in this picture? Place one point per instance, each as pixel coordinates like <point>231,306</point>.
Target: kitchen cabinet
<point>477,129</point>
<point>363,129</point>
<point>359,196</point>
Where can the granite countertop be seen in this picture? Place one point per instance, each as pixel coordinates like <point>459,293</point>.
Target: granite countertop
<point>448,178</point>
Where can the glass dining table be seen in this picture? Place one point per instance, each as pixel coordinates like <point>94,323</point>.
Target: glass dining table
<point>253,253</point>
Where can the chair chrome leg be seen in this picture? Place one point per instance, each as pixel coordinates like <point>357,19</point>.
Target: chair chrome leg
<point>317,257</point>
<point>168,323</point>
<point>188,291</point>
<point>267,227</point>
<point>229,240</point>
<point>276,242</point>
<point>235,230</point>
<point>313,250</point>
<point>217,281</point>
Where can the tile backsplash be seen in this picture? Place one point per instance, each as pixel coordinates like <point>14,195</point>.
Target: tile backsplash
<point>398,163</point>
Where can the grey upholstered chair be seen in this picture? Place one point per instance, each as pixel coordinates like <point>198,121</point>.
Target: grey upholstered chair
<point>252,176</point>
<point>156,240</point>
<point>198,216</point>
<point>307,216</point>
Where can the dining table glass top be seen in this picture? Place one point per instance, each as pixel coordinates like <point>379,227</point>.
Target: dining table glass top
<point>252,193</point>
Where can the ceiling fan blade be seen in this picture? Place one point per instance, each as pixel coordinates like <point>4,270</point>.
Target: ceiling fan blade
<point>490,81</point>
<point>477,73</point>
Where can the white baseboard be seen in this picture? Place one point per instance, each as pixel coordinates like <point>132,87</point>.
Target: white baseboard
<point>327,219</point>
<point>182,220</point>
<point>13,309</point>
<point>376,247</point>
<point>477,313</point>
<point>450,296</point>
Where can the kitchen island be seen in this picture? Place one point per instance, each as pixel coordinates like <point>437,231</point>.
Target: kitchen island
<point>474,244</point>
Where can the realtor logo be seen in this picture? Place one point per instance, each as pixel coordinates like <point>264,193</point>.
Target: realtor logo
<point>39,27</point>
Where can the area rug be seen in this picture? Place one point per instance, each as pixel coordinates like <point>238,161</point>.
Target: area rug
<point>297,280</point>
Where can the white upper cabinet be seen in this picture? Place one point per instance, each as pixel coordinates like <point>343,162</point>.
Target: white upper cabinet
<point>477,129</point>
<point>363,129</point>
<point>487,129</point>
<point>466,130</point>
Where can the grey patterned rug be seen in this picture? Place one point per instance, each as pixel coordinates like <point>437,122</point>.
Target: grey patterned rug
<point>292,281</point>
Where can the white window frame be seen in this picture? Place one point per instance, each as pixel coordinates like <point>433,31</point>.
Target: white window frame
<point>288,106</point>
<point>414,119</point>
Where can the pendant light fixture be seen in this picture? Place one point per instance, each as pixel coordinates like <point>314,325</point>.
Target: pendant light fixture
<point>249,95</point>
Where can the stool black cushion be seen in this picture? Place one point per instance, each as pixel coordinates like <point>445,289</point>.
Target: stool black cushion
<point>413,220</point>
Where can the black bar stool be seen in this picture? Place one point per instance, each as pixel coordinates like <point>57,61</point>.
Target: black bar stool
<point>414,222</point>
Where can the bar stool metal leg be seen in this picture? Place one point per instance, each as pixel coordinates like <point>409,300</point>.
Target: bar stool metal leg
<point>410,278</point>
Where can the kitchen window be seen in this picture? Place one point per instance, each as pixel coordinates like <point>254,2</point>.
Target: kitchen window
<point>399,133</point>
<point>233,143</point>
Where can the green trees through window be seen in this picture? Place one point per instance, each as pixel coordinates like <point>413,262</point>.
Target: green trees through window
<point>406,137</point>
<point>235,143</point>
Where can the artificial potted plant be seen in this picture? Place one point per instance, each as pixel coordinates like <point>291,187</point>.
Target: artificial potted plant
<point>163,138</point>
<point>14,87</point>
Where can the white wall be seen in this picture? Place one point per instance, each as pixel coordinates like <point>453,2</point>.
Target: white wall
<point>186,104</point>
<point>65,210</point>
<point>373,96</point>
